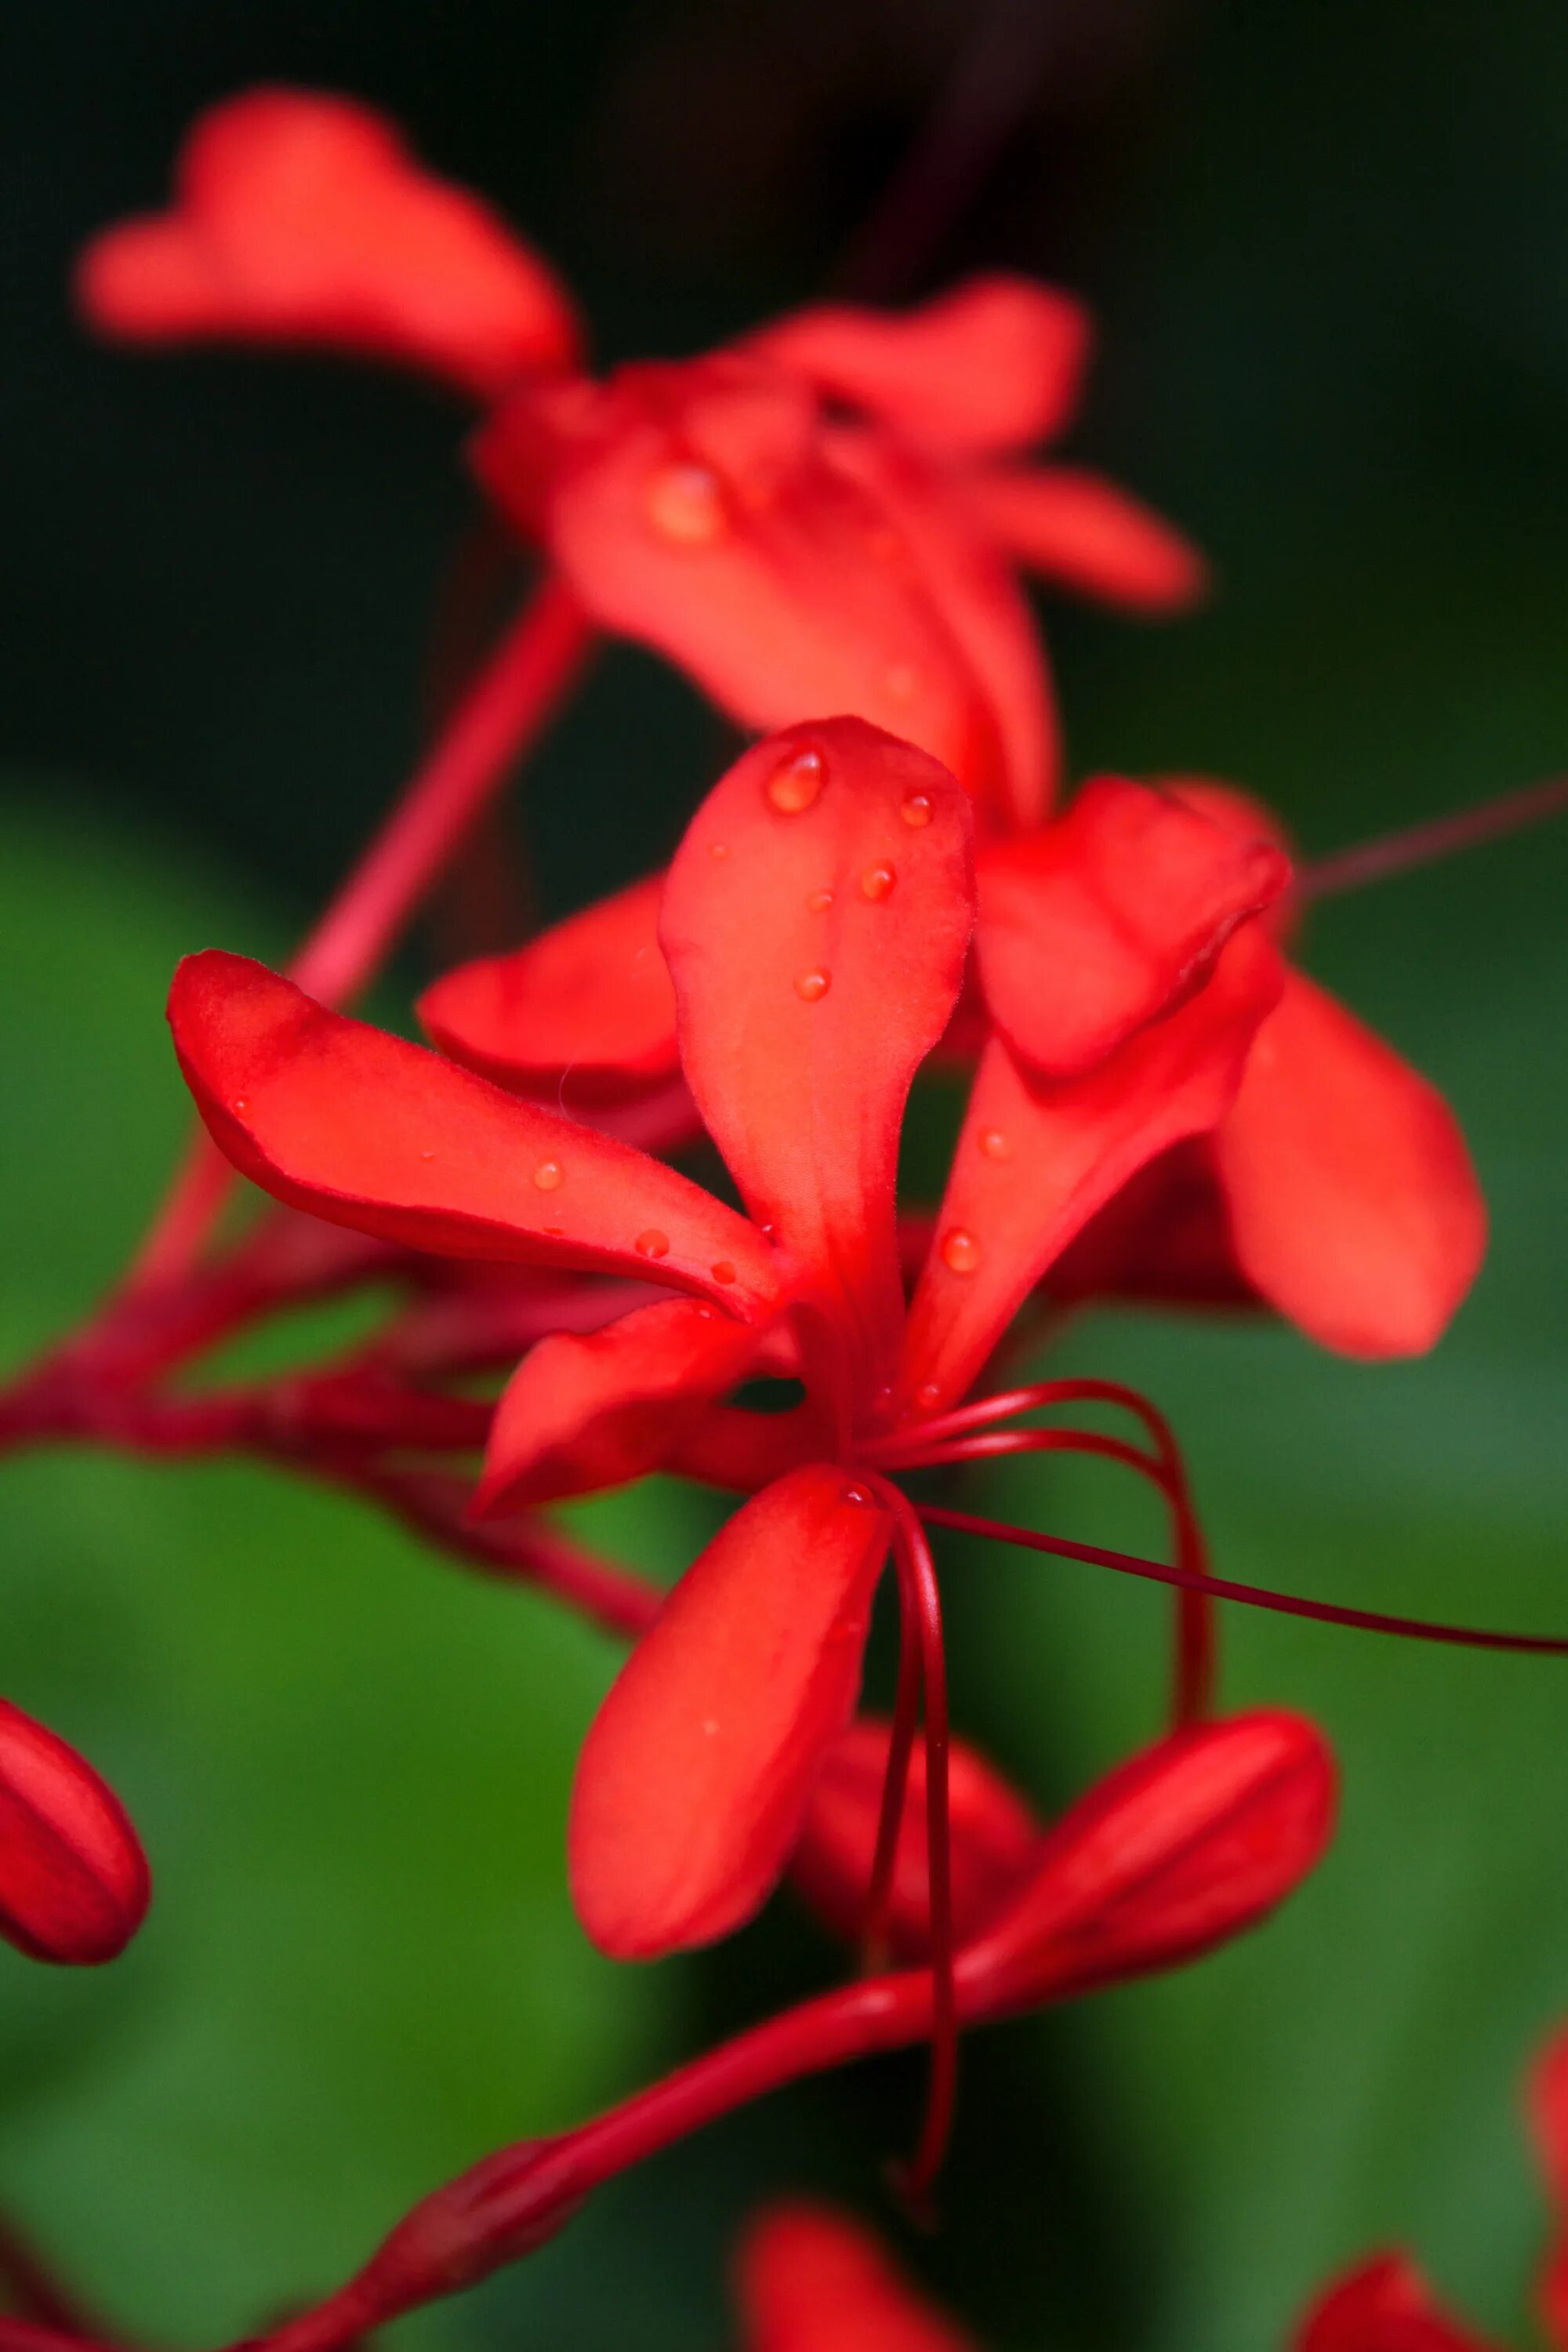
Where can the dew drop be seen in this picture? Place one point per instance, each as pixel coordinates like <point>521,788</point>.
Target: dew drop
<point>427,1155</point>
<point>549,1175</point>
<point>685,503</point>
<point>876,882</point>
<point>916,808</point>
<point>927,1395</point>
<point>960,1251</point>
<point>653,1244</point>
<point>717,849</point>
<point>994,1143</point>
<point>859,1495</point>
<point>819,902</point>
<point>792,788</point>
<point>721,1270</point>
<point>811,987</point>
<point>241,1104</point>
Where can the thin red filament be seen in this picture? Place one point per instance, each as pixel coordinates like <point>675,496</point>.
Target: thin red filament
<point>1435,837</point>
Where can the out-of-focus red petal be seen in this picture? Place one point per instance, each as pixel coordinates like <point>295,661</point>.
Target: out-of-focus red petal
<point>1164,1240</point>
<point>741,1451</point>
<point>301,218</point>
<point>983,607</point>
<point>584,1412</point>
<point>1093,926</point>
<point>1080,530</point>
<point>1548,2122</point>
<point>1383,2306</point>
<point>1252,820</point>
<point>1182,1847</point>
<point>995,364</point>
<point>74,1885</point>
<point>696,509</point>
<point>809,2281</point>
<point>1035,1159</point>
<point>815,922</point>
<point>367,1130</point>
<point>993,1840</point>
<point>1353,1204</point>
<point>591,996</point>
<point>694,1777</point>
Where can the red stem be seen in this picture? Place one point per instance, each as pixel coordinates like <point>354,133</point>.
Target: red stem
<point>917,1573</point>
<point>895,1788</point>
<point>1436,836</point>
<point>514,694</point>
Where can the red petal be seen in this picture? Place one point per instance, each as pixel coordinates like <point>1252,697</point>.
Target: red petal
<point>367,1130</point>
<point>816,920</point>
<point>696,509</point>
<point>590,997</point>
<point>986,610</point>
<point>1549,2117</point>
<point>582,1413</point>
<point>808,2281</point>
<point>1164,1240</point>
<point>74,1885</point>
<point>995,364</point>
<point>1035,1160</point>
<point>1383,2306</point>
<point>994,1838</point>
<point>1179,1849</point>
<point>1079,528</point>
<point>1353,1205</point>
<point>304,219</point>
<point>1095,925</point>
<point>694,1777</point>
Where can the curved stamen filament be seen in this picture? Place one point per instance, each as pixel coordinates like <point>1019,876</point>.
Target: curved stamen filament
<point>1433,838</point>
<point>1253,1596</point>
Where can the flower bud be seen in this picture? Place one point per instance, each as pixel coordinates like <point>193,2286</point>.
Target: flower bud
<point>1186,1844</point>
<point>74,1885</point>
<point>993,1838</point>
<point>809,2280</point>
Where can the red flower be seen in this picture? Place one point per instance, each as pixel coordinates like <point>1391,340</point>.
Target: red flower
<point>74,1885</point>
<point>1337,1187</point>
<point>808,2280</point>
<point>815,924</point>
<point>1384,2305</point>
<point>826,517</point>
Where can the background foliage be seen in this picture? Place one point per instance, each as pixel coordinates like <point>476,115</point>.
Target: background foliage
<point>1322,245</point>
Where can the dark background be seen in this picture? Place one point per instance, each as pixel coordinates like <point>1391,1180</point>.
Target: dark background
<point>1325,246</point>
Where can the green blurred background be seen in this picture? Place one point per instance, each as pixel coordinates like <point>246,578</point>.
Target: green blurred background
<point>1325,244</point>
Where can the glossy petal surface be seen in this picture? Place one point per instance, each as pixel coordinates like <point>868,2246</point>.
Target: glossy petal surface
<point>815,922</point>
<point>584,1412</point>
<point>1082,530</point>
<point>367,1130</point>
<point>995,364</point>
<point>808,2280</point>
<point>591,997</point>
<point>994,1837</point>
<point>1353,1203</point>
<point>1035,1160</point>
<point>697,510</point>
<point>301,218</point>
<point>1093,926</point>
<point>1383,2306</point>
<point>693,1780</point>
<point>74,1885</point>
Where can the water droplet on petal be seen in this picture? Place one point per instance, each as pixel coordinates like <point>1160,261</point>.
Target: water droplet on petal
<point>876,882</point>
<point>685,503</point>
<point>994,1143</point>
<point>960,1251</point>
<point>549,1175</point>
<point>241,1105</point>
<point>717,849</point>
<point>427,1155</point>
<point>916,808</point>
<point>792,788</point>
<point>653,1244</point>
<point>859,1495</point>
<point>721,1270</point>
<point>819,902</point>
<point>811,987</point>
<point>927,1395</point>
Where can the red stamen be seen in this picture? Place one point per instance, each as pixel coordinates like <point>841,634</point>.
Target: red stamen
<point>1254,1596</point>
<point>1435,837</point>
<point>895,1786</point>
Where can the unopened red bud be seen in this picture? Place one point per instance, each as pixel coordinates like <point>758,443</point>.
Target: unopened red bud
<point>1383,2306</point>
<point>993,1840</point>
<point>74,1885</point>
<point>810,2280</point>
<point>1184,1846</point>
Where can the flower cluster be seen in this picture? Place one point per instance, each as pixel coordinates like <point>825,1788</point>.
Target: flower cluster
<point>822,526</point>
